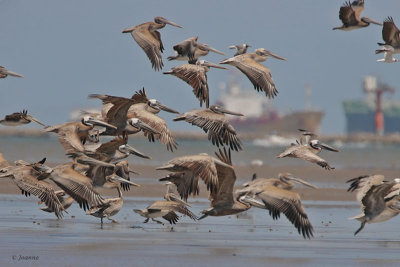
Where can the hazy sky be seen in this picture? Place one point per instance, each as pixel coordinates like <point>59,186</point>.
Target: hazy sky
<point>69,49</point>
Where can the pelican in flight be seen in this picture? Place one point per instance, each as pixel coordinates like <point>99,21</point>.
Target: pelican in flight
<point>149,39</point>
<point>196,76</point>
<point>190,50</point>
<point>5,72</point>
<point>391,36</point>
<point>307,149</point>
<point>19,118</point>
<point>259,75</point>
<point>240,48</point>
<point>379,199</point>
<point>276,195</point>
<point>350,13</point>
<point>214,122</point>
<point>66,202</point>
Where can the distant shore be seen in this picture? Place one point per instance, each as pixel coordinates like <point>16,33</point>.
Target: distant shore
<point>360,137</point>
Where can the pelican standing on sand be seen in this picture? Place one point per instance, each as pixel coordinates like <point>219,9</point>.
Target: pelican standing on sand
<point>196,76</point>
<point>259,75</point>
<point>307,149</point>
<point>391,36</point>
<point>19,118</point>
<point>149,39</point>
<point>379,199</point>
<point>350,13</point>
<point>214,122</point>
<point>5,72</point>
<point>276,195</point>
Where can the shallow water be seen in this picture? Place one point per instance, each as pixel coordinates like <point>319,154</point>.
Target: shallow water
<point>252,238</point>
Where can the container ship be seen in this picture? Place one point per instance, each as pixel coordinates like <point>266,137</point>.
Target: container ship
<point>260,117</point>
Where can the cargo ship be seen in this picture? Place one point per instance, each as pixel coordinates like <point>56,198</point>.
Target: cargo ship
<point>261,118</point>
<point>361,113</point>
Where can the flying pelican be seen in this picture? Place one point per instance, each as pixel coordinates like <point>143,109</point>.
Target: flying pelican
<point>166,210</point>
<point>171,195</point>
<point>196,76</point>
<point>190,50</point>
<point>26,178</point>
<point>307,149</point>
<point>259,75</point>
<point>379,199</point>
<point>110,206</point>
<point>188,170</point>
<point>240,48</point>
<point>5,72</point>
<point>19,118</point>
<point>350,13</point>
<point>66,202</point>
<point>391,36</point>
<point>223,201</point>
<point>73,135</point>
<point>214,122</point>
<point>276,196</point>
<point>149,39</point>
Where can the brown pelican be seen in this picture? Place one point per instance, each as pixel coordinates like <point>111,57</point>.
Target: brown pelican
<point>223,201</point>
<point>110,206</point>
<point>149,39</point>
<point>166,210</point>
<point>66,202</point>
<point>5,72</point>
<point>391,36</point>
<point>350,13</point>
<point>214,122</point>
<point>26,178</point>
<point>19,118</point>
<point>240,48</point>
<point>379,199</point>
<point>196,76</point>
<point>276,196</point>
<point>259,75</point>
<point>307,149</point>
<point>188,170</point>
<point>190,50</point>
<point>73,135</point>
<point>171,195</point>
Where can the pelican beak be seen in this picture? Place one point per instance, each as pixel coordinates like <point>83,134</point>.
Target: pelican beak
<point>101,123</point>
<point>209,64</point>
<point>132,171</point>
<point>35,120</point>
<point>276,56</point>
<point>11,73</point>
<point>215,50</point>
<point>160,106</point>
<point>143,126</point>
<point>122,180</point>
<point>130,29</point>
<point>232,47</point>
<point>135,152</point>
<point>368,20</point>
<point>327,147</point>
<point>85,160</point>
<point>172,23</point>
<point>301,181</point>
<point>229,112</point>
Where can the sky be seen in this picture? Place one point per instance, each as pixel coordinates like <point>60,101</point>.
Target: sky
<point>69,49</point>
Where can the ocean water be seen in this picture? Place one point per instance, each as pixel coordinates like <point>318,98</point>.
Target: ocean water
<point>353,155</point>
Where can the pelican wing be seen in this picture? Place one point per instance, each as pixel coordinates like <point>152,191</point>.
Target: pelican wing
<point>363,184</point>
<point>347,14</point>
<point>196,77</point>
<point>78,186</point>
<point>278,200</point>
<point>186,183</point>
<point>259,75</point>
<point>68,136</point>
<point>219,130</point>
<point>390,33</point>
<point>226,179</point>
<point>110,147</point>
<point>151,44</point>
<point>304,153</point>
<point>172,206</point>
<point>158,124</point>
<point>43,190</point>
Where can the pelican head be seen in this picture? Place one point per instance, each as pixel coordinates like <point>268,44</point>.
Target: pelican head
<point>141,212</point>
<point>7,172</point>
<point>163,21</point>
<point>316,144</point>
<point>209,64</point>
<point>127,149</point>
<point>221,110</point>
<point>264,52</point>
<point>115,180</point>
<point>369,21</point>
<point>138,124</point>
<point>289,177</point>
<point>154,103</point>
<point>90,121</point>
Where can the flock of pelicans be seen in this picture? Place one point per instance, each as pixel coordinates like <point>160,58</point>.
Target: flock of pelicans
<point>96,164</point>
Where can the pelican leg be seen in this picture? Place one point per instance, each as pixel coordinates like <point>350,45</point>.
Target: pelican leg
<point>361,227</point>
<point>154,220</point>
<point>146,221</point>
<point>101,221</point>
